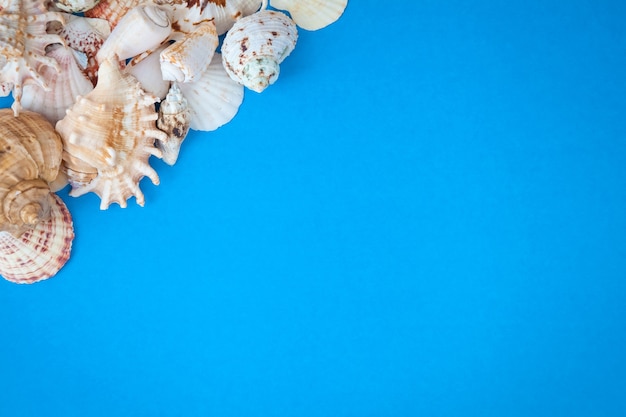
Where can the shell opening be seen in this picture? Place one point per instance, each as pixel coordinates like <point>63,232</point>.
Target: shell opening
<point>260,73</point>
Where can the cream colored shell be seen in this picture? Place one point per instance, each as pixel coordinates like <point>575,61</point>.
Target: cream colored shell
<point>312,14</point>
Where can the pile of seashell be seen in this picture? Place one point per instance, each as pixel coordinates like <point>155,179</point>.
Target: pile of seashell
<point>100,86</point>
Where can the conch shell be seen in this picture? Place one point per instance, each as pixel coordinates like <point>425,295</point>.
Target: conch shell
<point>36,230</point>
<point>256,45</point>
<point>108,137</point>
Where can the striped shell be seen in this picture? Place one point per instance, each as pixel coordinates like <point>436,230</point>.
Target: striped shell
<point>312,14</point>
<point>36,229</point>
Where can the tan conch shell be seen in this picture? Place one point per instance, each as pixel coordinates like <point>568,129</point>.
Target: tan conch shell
<point>143,28</point>
<point>312,14</point>
<point>108,138</point>
<point>214,98</point>
<point>64,86</point>
<point>36,229</point>
<point>256,45</point>
<point>187,59</point>
<point>174,119</point>
<point>23,41</point>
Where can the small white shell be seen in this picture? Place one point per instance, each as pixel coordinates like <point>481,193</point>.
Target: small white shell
<point>312,14</point>
<point>256,45</point>
<point>187,59</point>
<point>174,119</point>
<point>214,98</point>
<point>143,28</point>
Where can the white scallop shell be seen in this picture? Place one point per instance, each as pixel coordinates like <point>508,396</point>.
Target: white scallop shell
<point>64,86</point>
<point>143,28</point>
<point>111,131</point>
<point>187,59</point>
<point>214,98</point>
<point>312,14</point>
<point>256,45</point>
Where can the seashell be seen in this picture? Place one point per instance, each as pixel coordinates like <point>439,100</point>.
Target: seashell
<point>146,68</point>
<point>256,45</point>
<point>86,35</point>
<point>187,59</point>
<point>36,229</point>
<point>174,119</point>
<point>112,10</point>
<point>312,14</point>
<point>108,137</point>
<point>143,28</point>
<point>223,13</point>
<point>75,6</point>
<point>64,86</point>
<point>214,98</point>
<point>23,40</point>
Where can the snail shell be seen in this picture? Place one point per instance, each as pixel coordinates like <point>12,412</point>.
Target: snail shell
<point>36,229</point>
<point>256,45</point>
<point>174,119</point>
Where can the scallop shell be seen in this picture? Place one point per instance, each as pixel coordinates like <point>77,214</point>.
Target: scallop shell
<point>143,28</point>
<point>75,6</point>
<point>187,59</point>
<point>256,45</point>
<point>110,133</point>
<point>213,99</point>
<point>35,227</point>
<point>23,40</point>
<point>64,86</point>
<point>312,14</point>
<point>174,119</point>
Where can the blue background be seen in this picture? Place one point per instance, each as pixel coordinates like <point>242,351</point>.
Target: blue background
<point>425,215</point>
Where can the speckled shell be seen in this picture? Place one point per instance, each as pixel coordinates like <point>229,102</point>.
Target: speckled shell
<point>256,45</point>
<point>64,86</point>
<point>187,59</point>
<point>174,119</point>
<point>108,138</point>
<point>224,13</point>
<point>23,40</point>
<point>35,228</point>
<point>214,98</point>
<point>312,14</point>
<point>143,28</point>
<point>75,6</point>
<point>112,10</point>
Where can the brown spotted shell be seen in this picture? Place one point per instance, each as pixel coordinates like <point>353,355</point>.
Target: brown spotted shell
<point>36,230</point>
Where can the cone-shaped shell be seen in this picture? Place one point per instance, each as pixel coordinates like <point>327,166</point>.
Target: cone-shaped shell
<point>41,251</point>
<point>174,119</point>
<point>312,14</point>
<point>214,98</point>
<point>111,131</point>
<point>256,45</point>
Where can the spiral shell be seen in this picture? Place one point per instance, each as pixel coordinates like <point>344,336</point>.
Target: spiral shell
<point>108,137</point>
<point>36,230</point>
<point>174,119</point>
<point>256,45</point>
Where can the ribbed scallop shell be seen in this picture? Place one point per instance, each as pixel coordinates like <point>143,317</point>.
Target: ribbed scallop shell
<point>23,40</point>
<point>214,98</point>
<point>35,228</point>
<point>174,119</point>
<point>40,252</point>
<point>64,86</point>
<point>110,133</point>
<point>312,14</point>
<point>256,45</point>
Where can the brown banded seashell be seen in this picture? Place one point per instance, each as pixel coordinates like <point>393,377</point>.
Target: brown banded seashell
<point>143,28</point>
<point>64,86</point>
<point>312,14</point>
<point>214,98</point>
<point>23,41</point>
<point>174,119</point>
<point>256,45</point>
<point>36,229</point>
<point>108,138</point>
<point>185,60</point>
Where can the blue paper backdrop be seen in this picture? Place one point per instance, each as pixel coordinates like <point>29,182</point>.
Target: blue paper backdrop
<point>425,215</point>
